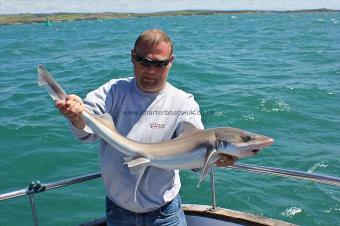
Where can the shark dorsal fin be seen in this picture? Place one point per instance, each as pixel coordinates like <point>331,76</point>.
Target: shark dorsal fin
<point>188,128</point>
<point>107,120</point>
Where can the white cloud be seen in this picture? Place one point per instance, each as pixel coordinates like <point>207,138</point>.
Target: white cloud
<point>48,6</point>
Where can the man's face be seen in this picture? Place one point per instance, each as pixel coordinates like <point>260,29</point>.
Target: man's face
<point>151,77</point>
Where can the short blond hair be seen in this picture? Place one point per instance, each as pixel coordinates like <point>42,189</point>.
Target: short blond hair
<point>153,37</point>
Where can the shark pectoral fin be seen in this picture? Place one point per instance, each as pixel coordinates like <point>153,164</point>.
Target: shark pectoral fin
<point>211,157</point>
<point>137,165</point>
<point>140,175</point>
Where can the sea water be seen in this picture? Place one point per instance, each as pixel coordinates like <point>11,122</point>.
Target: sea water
<point>273,74</point>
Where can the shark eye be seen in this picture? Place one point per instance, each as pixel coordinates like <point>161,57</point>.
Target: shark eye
<point>247,138</point>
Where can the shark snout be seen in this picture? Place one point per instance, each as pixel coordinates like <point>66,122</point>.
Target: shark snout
<point>266,142</point>
<point>253,146</point>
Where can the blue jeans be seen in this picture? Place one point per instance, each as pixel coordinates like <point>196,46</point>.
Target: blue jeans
<point>171,214</point>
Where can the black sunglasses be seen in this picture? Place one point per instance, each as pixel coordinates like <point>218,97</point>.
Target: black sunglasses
<point>146,62</point>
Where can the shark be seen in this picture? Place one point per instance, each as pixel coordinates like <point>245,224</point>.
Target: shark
<point>194,149</point>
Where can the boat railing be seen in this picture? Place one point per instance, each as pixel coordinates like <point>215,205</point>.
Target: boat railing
<point>38,187</point>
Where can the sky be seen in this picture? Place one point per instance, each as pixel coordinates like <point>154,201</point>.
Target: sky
<point>141,6</point>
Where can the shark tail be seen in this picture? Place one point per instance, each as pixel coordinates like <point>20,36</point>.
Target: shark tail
<point>54,89</point>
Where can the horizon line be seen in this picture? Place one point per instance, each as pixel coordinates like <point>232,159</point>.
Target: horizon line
<point>183,10</point>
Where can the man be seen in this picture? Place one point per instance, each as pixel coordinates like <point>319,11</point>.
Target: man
<point>147,109</point>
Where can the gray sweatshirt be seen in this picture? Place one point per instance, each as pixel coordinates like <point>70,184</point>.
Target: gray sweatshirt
<point>143,117</point>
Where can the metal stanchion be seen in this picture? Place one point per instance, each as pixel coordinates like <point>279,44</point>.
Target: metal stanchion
<point>34,213</point>
<point>213,195</point>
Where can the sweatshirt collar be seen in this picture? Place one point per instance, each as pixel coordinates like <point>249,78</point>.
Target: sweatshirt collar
<point>166,87</point>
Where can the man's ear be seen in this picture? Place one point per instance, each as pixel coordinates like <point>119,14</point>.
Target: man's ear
<point>172,58</point>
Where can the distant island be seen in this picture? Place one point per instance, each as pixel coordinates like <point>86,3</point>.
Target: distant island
<point>6,19</point>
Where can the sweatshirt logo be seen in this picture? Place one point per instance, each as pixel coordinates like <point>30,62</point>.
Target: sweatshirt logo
<point>155,125</point>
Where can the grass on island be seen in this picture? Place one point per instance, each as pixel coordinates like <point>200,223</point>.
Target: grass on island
<point>6,19</point>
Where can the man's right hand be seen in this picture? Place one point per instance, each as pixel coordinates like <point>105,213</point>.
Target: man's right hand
<point>72,108</point>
